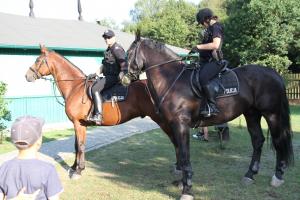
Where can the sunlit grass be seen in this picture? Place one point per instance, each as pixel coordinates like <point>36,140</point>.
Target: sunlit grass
<point>138,168</point>
<point>48,136</point>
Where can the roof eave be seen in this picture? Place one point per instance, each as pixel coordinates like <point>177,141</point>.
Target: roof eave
<point>8,46</point>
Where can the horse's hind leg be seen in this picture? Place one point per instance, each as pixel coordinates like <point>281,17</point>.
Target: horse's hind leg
<point>257,138</point>
<point>281,140</point>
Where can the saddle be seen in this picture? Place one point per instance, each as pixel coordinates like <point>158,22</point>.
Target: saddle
<point>111,114</point>
<point>116,93</point>
<point>225,83</point>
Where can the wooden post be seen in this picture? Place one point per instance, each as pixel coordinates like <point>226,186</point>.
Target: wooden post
<point>1,136</point>
<point>31,14</point>
<point>79,10</point>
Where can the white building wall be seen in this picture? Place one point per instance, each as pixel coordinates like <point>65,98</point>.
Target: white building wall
<point>14,67</point>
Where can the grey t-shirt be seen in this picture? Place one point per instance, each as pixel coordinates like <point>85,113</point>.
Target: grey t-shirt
<point>33,174</point>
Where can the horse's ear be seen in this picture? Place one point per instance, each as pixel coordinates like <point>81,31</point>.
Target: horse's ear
<point>138,35</point>
<point>44,49</point>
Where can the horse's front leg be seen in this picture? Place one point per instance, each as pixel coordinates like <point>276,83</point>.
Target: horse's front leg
<point>181,131</point>
<point>79,164</point>
<point>74,166</point>
<point>176,169</point>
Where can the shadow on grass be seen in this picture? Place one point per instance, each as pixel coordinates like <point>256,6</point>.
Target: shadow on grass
<point>143,163</point>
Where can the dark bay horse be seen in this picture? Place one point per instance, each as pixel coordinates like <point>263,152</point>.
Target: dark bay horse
<point>71,82</point>
<point>262,94</point>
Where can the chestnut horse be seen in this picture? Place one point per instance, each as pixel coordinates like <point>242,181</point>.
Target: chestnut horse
<point>262,94</point>
<point>70,81</point>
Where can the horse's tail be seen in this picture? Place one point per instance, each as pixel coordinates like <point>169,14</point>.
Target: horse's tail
<point>284,141</point>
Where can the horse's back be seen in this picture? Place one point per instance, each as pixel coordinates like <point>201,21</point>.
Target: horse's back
<point>258,75</point>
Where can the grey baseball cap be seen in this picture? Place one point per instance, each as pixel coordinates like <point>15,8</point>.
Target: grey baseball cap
<point>26,130</point>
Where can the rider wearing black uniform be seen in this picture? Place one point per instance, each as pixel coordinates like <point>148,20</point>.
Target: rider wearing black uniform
<point>114,66</point>
<point>210,57</point>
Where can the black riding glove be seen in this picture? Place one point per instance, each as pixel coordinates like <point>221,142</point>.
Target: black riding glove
<point>194,50</point>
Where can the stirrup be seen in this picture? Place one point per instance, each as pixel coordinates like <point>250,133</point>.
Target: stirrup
<point>97,118</point>
<point>209,112</point>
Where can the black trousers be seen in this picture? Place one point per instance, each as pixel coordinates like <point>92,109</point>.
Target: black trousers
<point>209,71</point>
<point>104,83</point>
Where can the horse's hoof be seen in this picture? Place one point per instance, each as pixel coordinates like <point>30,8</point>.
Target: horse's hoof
<point>186,197</point>
<point>178,184</point>
<point>75,176</point>
<point>275,182</point>
<point>247,181</point>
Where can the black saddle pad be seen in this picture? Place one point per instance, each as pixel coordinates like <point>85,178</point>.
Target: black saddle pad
<point>229,83</point>
<point>226,82</point>
<point>116,93</point>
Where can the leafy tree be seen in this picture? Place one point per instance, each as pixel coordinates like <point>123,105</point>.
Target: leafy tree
<point>4,113</point>
<point>217,6</point>
<point>169,21</point>
<point>294,48</point>
<point>261,31</point>
<point>108,22</point>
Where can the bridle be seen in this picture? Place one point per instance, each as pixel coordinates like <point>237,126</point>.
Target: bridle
<point>54,82</point>
<point>40,76</point>
<point>36,71</point>
<point>139,71</point>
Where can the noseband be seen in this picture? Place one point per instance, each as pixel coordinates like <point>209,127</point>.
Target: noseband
<point>36,71</point>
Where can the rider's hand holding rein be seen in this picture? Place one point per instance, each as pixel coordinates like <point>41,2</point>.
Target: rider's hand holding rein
<point>97,74</point>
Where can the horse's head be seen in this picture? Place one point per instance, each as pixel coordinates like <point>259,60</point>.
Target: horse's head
<point>145,54</point>
<point>40,67</point>
<point>135,57</point>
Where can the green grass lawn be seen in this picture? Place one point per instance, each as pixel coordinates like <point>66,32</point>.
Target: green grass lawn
<point>48,136</point>
<point>138,168</point>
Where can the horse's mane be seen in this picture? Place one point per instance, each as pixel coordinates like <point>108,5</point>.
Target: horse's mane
<point>64,58</point>
<point>161,47</point>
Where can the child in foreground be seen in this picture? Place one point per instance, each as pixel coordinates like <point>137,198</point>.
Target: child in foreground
<point>27,177</point>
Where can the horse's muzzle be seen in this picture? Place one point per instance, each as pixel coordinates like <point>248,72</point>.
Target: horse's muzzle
<point>30,76</point>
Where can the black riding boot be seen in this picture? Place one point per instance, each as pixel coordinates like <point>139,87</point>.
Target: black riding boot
<point>97,118</point>
<point>211,107</point>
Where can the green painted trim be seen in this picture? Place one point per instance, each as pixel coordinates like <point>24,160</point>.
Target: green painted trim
<point>35,52</point>
<point>183,54</point>
<point>51,47</point>
<point>32,96</point>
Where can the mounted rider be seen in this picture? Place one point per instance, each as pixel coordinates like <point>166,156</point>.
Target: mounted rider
<point>210,57</point>
<point>113,67</point>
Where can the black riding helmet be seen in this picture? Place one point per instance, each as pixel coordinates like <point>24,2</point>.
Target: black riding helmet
<point>203,15</point>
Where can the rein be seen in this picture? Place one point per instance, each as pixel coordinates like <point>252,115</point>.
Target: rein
<point>164,96</point>
<point>160,100</point>
<point>167,62</point>
<point>54,82</point>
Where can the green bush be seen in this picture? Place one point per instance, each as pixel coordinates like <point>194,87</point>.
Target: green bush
<point>4,112</point>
